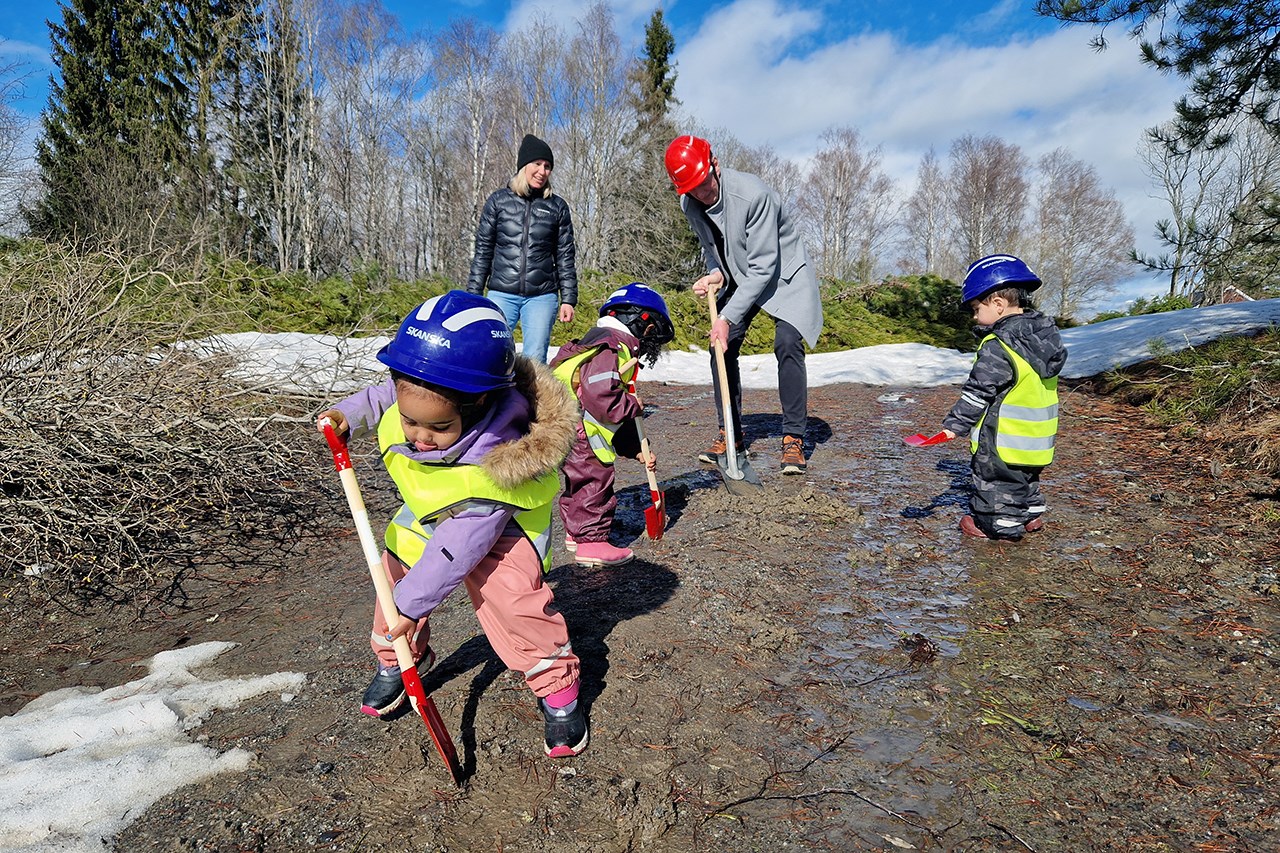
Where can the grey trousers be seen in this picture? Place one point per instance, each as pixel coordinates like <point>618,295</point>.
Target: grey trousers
<point>1005,497</point>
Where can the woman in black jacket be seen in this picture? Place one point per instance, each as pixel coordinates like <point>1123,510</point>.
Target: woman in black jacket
<point>524,251</point>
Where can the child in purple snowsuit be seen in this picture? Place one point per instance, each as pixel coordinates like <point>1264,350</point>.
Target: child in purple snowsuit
<point>633,326</point>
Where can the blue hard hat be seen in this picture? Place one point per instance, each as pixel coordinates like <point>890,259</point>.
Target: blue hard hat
<point>457,340</point>
<point>640,302</point>
<point>994,272</point>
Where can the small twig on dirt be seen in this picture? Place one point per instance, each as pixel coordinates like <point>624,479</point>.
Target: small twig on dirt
<point>884,676</point>
<point>1024,844</point>
<point>822,792</point>
<point>722,811</point>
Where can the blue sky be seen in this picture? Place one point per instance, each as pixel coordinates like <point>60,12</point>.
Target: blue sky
<point>908,75</point>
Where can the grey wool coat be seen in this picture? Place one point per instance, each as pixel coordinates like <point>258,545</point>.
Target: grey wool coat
<point>764,254</point>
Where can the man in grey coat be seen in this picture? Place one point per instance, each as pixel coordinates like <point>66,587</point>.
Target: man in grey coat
<point>756,259</point>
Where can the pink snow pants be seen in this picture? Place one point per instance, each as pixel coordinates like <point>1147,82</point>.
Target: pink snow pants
<point>516,612</point>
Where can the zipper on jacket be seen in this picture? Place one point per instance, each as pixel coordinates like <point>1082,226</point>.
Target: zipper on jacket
<point>524,245</point>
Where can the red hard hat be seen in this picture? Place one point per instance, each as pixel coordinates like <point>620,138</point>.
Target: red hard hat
<point>688,162</point>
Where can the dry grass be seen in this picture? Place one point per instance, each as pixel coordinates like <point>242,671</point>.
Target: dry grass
<point>1223,393</point>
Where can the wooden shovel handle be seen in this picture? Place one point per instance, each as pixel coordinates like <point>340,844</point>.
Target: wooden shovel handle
<point>423,704</point>
<point>726,404</point>
<point>368,544</point>
<point>644,442</point>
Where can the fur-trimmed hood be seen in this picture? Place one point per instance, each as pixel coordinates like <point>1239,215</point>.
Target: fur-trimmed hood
<point>553,418</point>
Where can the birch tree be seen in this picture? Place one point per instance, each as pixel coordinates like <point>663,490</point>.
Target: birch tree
<point>371,80</point>
<point>1221,204</point>
<point>1192,185</point>
<point>12,128</point>
<point>595,117</point>
<point>468,68</point>
<point>275,138</point>
<point>1083,243</point>
<point>988,187</point>
<point>847,204</point>
<point>925,221</point>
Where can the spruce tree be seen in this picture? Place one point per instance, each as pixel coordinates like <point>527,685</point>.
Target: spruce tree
<point>655,75</point>
<point>660,240</point>
<point>125,151</point>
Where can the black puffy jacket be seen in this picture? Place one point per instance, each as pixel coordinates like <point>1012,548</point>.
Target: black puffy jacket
<point>524,246</point>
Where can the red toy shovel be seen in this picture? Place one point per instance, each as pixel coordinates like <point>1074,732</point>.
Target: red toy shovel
<point>404,656</point>
<point>655,517</point>
<point>922,440</point>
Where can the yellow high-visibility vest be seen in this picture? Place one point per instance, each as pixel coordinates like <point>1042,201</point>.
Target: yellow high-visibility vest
<point>1027,419</point>
<point>432,493</point>
<point>599,433</point>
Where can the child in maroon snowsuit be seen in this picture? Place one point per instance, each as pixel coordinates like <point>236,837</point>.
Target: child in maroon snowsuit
<point>633,326</point>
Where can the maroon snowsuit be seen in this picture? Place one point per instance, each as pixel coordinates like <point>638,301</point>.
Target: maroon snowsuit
<point>587,503</point>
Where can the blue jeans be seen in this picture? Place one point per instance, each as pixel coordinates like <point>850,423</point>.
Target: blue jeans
<point>536,315</point>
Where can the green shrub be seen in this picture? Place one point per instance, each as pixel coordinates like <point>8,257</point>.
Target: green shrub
<point>916,309</point>
<point>225,296</point>
<point>1143,305</point>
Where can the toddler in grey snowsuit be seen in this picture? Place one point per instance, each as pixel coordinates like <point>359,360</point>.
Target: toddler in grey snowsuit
<point>1009,403</point>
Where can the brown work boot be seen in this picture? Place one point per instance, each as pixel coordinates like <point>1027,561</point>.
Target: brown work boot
<point>793,455</point>
<point>717,449</point>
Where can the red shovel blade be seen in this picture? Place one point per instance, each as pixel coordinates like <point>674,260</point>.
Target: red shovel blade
<point>655,517</point>
<point>922,440</point>
<point>426,708</point>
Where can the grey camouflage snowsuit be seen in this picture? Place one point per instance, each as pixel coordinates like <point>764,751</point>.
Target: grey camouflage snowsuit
<point>1005,497</point>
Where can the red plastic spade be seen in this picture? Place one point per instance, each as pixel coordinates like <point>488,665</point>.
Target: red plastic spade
<point>655,516</point>
<point>922,440</point>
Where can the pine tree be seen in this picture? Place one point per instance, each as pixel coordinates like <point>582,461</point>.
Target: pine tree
<point>1229,51</point>
<point>1230,54</point>
<point>658,239</point>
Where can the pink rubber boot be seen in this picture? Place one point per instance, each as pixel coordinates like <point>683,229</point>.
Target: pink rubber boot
<point>602,554</point>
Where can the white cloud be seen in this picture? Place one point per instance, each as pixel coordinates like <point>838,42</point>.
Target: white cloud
<point>24,52</point>
<point>760,69</point>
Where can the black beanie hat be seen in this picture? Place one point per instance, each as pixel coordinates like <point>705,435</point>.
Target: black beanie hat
<point>532,148</point>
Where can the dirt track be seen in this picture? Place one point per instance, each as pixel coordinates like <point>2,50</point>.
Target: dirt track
<point>828,667</point>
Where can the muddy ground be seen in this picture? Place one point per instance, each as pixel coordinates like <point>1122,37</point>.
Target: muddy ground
<point>827,667</point>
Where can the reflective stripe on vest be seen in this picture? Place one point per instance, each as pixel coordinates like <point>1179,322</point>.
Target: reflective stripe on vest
<point>1027,417</point>
<point>433,493</point>
<point>599,433</point>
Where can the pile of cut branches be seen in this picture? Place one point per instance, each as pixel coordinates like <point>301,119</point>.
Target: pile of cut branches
<point>127,462</point>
